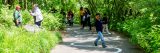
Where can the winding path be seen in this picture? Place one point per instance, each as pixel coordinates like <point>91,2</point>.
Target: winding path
<point>81,41</point>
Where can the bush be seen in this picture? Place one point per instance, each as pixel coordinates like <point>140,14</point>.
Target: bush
<point>6,18</point>
<point>26,17</point>
<point>142,32</point>
<point>17,40</point>
<point>143,28</point>
<point>53,21</point>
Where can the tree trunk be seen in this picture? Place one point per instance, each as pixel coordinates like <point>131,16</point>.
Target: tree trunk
<point>25,4</point>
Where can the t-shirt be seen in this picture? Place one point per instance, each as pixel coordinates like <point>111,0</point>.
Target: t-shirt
<point>17,16</point>
<point>98,25</point>
<point>81,12</point>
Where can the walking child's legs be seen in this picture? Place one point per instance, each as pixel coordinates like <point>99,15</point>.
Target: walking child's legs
<point>102,38</point>
<point>96,41</point>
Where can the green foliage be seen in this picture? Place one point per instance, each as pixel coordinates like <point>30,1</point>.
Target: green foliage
<point>18,40</point>
<point>50,22</point>
<point>1,4</point>
<point>138,18</point>
<point>53,21</point>
<point>26,17</point>
<point>142,32</point>
<point>143,25</point>
<point>6,18</point>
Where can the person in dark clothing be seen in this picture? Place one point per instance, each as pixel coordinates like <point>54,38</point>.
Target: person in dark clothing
<point>70,18</point>
<point>99,27</point>
<point>84,20</point>
<point>105,23</point>
<point>87,18</point>
<point>82,17</point>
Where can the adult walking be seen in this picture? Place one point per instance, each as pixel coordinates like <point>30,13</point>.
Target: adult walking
<point>105,23</point>
<point>17,16</point>
<point>82,17</point>
<point>87,19</point>
<point>38,15</point>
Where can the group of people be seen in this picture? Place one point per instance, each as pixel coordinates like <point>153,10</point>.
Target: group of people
<point>85,18</point>
<point>101,24</point>
<point>36,13</point>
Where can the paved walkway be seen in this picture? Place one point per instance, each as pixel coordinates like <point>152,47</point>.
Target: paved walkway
<point>81,41</point>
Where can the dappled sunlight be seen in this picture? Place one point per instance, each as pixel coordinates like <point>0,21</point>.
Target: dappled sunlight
<point>79,26</point>
<point>79,40</point>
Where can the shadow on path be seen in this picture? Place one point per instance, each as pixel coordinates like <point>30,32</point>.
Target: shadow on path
<point>81,41</point>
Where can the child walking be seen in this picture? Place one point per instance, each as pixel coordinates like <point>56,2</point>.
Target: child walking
<point>99,28</point>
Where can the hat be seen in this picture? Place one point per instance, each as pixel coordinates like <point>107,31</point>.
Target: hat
<point>18,7</point>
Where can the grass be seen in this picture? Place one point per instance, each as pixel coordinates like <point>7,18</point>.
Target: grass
<point>18,40</point>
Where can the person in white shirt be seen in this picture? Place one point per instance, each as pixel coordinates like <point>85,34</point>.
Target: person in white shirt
<point>37,14</point>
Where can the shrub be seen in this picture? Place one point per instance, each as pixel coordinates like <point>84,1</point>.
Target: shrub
<point>6,18</point>
<point>142,32</point>
<point>53,21</point>
<point>19,41</point>
<point>27,18</point>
